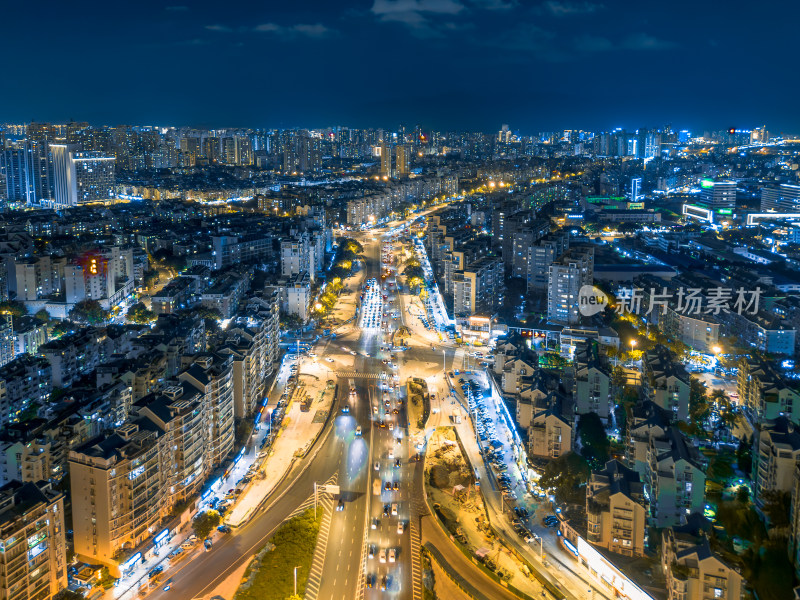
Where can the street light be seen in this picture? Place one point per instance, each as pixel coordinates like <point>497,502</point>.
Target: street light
<point>295,580</point>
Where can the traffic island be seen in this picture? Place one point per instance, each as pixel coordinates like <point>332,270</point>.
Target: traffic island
<point>270,575</point>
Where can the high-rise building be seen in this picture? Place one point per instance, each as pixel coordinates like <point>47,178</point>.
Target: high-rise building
<point>402,155</point>
<point>17,168</point>
<point>81,177</point>
<point>33,560</point>
<point>716,202</point>
<point>386,160</point>
<point>478,287</point>
<point>566,276</point>
<point>636,189</point>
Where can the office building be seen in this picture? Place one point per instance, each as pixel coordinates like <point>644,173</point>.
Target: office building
<point>386,160</point>
<point>81,177</point>
<point>33,550</point>
<point>782,199</point>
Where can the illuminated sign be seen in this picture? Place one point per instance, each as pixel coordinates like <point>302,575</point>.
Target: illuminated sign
<point>707,183</point>
<point>725,211</point>
<point>161,536</point>
<point>131,561</point>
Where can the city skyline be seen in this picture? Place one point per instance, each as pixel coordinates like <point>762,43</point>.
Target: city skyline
<point>445,64</point>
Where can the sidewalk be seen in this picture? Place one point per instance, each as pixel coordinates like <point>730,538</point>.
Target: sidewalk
<point>555,564</point>
<point>295,437</point>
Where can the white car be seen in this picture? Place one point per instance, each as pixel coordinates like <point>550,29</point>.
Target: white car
<point>394,510</point>
<point>392,555</point>
<point>382,555</point>
<point>400,528</point>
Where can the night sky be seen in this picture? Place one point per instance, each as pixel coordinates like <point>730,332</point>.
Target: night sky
<point>465,64</point>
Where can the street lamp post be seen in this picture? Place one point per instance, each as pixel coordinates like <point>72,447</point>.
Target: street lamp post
<point>295,580</point>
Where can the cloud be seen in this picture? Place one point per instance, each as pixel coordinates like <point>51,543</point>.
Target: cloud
<point>593,43</point>
<point>645,41</point>
<point>415,13</point>
<point>308,30</point>
<point>494,4</point>
<point>220,28</point>
<point>565,8</point>
<point>176,8</point>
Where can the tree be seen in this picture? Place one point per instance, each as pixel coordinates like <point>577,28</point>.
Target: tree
<point>205,522</point>
<point>744,455</point>
<point>42,315</point>
<point>63,328</point>
<point>89,311</point>
<point>566,476</point>
<point>743,494</point>
<point>150,279</point>
<point>720,468</point>
<point>777,507</point>
<point>699,409</point>
<point>15,308</point>
<point>594,440</point>
<point>140,314</point>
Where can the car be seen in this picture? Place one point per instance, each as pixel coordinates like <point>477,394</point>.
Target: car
<point>387,486</point>
<point>224,529</point>
<point>208,544</point>
<point>377,465</point>
<point>384,582</point>
<point>346,409</point>
<point>382,555</point>
<point>358,431</point>
<point>392,555</point>
<point>340,505</point>
<point>371,580</point>
<point>386,509</point>
<point>395,486</point>
<point>397,463</point>
<point>371,551</point>
<point>374,523</point>
<point>400,528</point>
<point>155,572</point>
<point>394,510</point>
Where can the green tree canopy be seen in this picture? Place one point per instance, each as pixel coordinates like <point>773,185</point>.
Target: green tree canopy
<point>42,315</point>
<point>566,476</point>
<point>13,307</point>
<point>594,440</point>
<point>89,311</point>
<point>205,522</point>
<point>140,314</point>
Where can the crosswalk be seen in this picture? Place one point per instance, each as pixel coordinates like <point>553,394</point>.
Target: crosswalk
<point>360,375</point>
<point>315,574</point>
<point>416,560</point>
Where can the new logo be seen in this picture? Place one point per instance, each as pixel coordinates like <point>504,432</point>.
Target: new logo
<point>591,300</point>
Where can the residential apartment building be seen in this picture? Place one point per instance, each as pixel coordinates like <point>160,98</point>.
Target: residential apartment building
<point>616,510</point>
<point>666,382</point>
<point>541,255</point>
<point>592,389</point>
<point>33,550</point>
<point>765,392</point>
<point>212,374</point>
<point>120,491</point>
<point>776,455</point>
<point>675,477</point>
<point>478,287</point>
<point>692,569</point>
<point>23,381</point>
<point>228,250</point>
<point>566,277</point>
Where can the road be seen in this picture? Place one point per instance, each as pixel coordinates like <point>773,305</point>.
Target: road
<point>358,357</point>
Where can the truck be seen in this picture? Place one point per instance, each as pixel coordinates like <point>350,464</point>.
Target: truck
<point>376,486</point>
